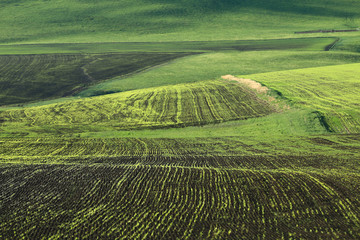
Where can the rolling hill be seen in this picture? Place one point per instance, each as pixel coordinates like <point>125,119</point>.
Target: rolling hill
<point>158,20</point>
<point>116,120</point>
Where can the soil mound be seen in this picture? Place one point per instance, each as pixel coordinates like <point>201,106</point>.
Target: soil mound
<point>248,82</point>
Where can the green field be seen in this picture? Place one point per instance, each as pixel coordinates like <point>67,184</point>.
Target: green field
<point>215,64</point>
<point>177,20</point>
<point>173,106</point>
<point>313,43</point>
<point>179,119</point>
<point>332,90</point>
<point>74,72</point>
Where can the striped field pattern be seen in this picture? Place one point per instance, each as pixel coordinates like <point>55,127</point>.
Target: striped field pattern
<point>19,74</point>
<point>179,105</point>
<point>301,151</point>
<point>172,202</point>
<point>193,188</point>
<point>105,133</point>
<point>332,90</point>
<point>32,77</point>
<point>251,186</point>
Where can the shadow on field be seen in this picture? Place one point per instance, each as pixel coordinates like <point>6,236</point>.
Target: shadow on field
<point>330,8</point>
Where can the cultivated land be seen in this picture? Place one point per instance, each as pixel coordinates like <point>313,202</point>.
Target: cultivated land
<point>115,121</point>
<point>320,89</point>
<point>42,76</point>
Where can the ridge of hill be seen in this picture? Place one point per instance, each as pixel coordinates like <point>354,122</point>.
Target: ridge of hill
<point>40,73</point>
<point>172,106</point>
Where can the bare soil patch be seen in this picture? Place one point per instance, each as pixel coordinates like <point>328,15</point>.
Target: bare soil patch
<point>248,82</point>
<point>262,90</point>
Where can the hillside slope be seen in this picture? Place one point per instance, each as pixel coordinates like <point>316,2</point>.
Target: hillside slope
<point>332,90</point>
<point>180,105</point>
<point>159,20</point>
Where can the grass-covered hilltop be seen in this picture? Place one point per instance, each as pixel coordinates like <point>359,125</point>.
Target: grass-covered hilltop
<point>179,119</point>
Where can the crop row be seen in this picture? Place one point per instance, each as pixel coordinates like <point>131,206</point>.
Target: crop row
<point>25,78</point>
<point>336,151</point>
<point>28,77</point>
<point>179,105</point>
<point>142,202</point>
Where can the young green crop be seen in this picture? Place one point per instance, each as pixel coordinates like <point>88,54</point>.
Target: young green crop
<point>170,202</point>
<point>332,90</point>
<point>95,168</point>
<point>173,106</point>
<point>46,76</point>
<point>322,152</point>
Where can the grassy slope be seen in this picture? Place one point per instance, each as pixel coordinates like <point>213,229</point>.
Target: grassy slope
<point>349,44</point>
<point>214,65</point>
<point>158,20</point>
<point>296,42</point>
<point>294,122</point>
<point>45,76</point>
<point>246,62</point>
<point>316,89</point>
<point>334,91</point>
<point>180,105</point>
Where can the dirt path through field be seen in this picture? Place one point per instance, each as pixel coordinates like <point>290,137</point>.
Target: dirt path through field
<point>261,90</point>
<point>248,82</point>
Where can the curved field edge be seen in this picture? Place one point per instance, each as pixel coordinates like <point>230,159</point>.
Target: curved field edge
<point>180,105</point>
<point>332,90</point>
<point>307,43</point>
<point>71,77</point>
<point>26,78</point>
<point>102,201</point>
<point>212,65</point>
<point>50,75</point>
<point>158,20</point>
